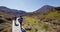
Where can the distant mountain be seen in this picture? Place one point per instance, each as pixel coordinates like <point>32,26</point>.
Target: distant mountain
<point>44,9</point>
<point>57,8</point>
<point>12,11</point>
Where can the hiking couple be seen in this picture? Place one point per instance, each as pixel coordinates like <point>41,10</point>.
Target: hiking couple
<point>20,20</point>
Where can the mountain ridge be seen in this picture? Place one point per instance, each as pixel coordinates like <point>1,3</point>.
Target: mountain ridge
<point>46,9</point>
<point>12,11</point>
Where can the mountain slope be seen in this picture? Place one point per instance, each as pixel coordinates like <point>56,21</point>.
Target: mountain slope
<point>36,21</point>
<point>44,9</point>
<point>12,11</point>
<point>39,22</point>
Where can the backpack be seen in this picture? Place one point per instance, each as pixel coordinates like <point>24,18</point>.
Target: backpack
<point>20,19</point>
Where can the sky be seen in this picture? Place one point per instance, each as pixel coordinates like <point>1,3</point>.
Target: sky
<point>28,5</point>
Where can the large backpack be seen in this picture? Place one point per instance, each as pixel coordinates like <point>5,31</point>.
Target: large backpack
<point>20,19</point>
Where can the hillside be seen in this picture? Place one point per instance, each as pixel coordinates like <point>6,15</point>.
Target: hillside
<point>5,22</point>
<point>43,22</point>
<point>12,11</point>
<point>36,21</point>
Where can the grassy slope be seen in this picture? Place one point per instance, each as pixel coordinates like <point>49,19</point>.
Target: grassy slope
<point>5,22</point>
<point>43,23</point>
<point>35,22</point>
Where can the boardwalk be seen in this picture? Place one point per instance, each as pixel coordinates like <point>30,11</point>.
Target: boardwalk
<point>16,28</point>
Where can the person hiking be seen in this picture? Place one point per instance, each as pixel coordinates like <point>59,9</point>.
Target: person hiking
<point>20,21</point>
<point>15,20</point>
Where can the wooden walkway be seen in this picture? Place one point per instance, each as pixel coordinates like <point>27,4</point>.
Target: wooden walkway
<point>16,28</point>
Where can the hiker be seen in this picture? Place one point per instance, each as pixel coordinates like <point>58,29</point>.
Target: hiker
<point>15,19</point>
<point>20,21</point>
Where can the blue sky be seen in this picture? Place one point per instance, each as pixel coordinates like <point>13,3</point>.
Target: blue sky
<point>28,5</point>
